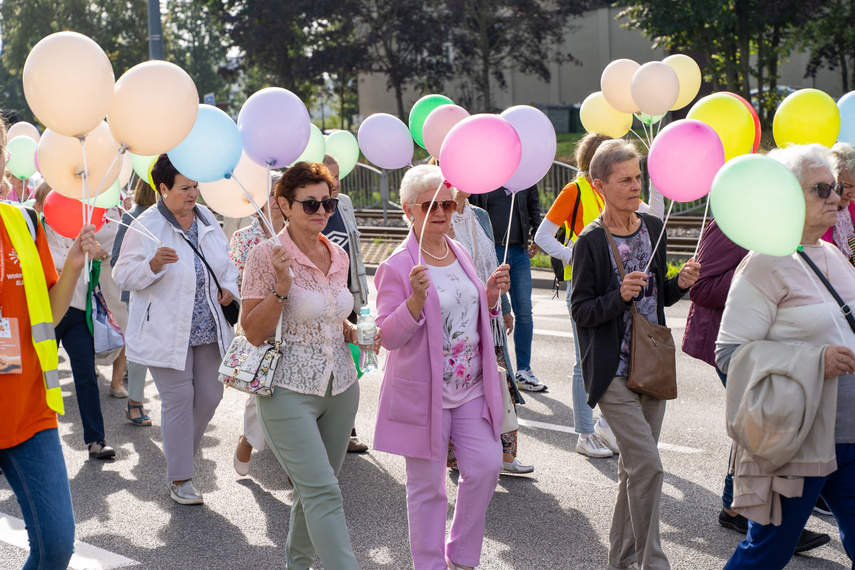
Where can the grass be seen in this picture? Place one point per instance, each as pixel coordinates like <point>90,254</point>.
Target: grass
<point>567,147</point>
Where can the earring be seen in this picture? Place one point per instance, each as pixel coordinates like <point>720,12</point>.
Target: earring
<point>412,218</point>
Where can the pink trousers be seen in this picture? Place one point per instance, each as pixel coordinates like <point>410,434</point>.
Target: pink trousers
<point>479,458</point>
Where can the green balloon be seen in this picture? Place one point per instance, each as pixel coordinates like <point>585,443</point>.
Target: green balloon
<point>109,198</point>
<point>22,157</point>
<point>759,204</point>
<point>649,119</point>
<point>342,145</point>
<point>142,166</point>
<point>316,149</point>
<point>420,112</point>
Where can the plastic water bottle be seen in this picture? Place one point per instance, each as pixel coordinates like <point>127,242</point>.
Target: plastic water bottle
<point>365,331</point>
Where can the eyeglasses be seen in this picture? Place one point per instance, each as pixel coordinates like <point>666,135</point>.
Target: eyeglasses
<point>446,205</point>
<point>823,189</point>
<point>311,206</point>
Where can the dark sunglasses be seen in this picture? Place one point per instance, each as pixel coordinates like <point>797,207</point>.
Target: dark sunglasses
<point>446,205</point>
<point>311,206</point>
<point>823,189</point>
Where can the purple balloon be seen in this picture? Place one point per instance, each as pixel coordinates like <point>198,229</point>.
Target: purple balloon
<point>684,159</point>
<point>385,140</point>
<point>480,154</point>
<point>274,127</point>
<point>537,136</point>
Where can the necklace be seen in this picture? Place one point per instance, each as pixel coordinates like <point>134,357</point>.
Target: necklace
<point>429,254</point>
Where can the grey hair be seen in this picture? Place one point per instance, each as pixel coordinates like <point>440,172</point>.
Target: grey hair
<point>843,160</point>
<point>329,160</point>
<point>610,153</point>
<point>802,158</point>
<point>418,180</point>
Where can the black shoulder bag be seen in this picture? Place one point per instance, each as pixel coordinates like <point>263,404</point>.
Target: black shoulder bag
<point>844,308</point>
<point>231,311</point>
<point>561,236</point>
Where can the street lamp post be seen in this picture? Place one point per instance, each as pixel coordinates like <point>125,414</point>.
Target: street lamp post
<point>155,31</point>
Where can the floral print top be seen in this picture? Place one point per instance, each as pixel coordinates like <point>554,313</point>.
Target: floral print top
<point>203,327</point>
<point>242,241</point>
<point>461,341</point>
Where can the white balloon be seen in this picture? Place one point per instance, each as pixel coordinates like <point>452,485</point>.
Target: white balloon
<point>23,129</point>
<point>226,196</point>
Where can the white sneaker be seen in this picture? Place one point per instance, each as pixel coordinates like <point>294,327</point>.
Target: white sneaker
<point>526,380</point>
<point>592,446</point>
<point>607,437</point>
<point>516,467</point>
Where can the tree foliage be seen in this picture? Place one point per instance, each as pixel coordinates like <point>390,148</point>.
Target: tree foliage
<point>193,41</point>
<point>830,38</point>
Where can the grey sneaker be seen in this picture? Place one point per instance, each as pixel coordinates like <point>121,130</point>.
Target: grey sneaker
<point>526,380</point>
<point>185,493</point>
<point>592,446</point>
<point>516,467</point>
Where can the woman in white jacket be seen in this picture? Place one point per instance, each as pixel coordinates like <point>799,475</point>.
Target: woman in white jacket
<point>176,325</point>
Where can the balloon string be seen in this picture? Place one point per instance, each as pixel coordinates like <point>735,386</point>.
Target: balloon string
<point>134,218</point>
<point>641,139</point>
<point>832,312</point>
<point>85,207</point>
<point>252,201</point>
<point>424,225</point>
<point>703,227</point>
<point>269,211</point>
<point>510,221</point>
<point>664,224</point>
<point>104,179</point>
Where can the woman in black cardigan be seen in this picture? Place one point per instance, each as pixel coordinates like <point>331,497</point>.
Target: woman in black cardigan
<point>600,303</point>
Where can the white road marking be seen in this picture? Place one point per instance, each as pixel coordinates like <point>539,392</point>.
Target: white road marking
<point>568,429</point>
<point>86,556</point>
<point>674,323</point>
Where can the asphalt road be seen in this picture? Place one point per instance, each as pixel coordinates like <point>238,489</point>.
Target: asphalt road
<point>556,518</point>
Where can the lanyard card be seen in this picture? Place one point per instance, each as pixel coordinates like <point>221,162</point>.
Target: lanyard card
<point>10,347</point>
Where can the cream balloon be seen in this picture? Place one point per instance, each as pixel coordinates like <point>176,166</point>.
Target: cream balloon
<point>616,84</point>
<point>689,74</point>
<point>599,117</point>
<point>127,170</point>
<point>655,88</point>
<point>62,165</point>
<point>68,83</point>
<point>154,108</point>
<point>23,129</point>
<point>226,196</point>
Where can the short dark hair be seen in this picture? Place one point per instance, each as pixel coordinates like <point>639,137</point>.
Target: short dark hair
<point>164,172</point>
<point>301,175</point>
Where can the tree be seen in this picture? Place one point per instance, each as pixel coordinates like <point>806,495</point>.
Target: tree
<point>491,36</point>
<point>830,37</point>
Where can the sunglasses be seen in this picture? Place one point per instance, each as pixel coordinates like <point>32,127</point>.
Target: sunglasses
<point>311,206</point>
<point>823,189</point>
<point>446,205</point>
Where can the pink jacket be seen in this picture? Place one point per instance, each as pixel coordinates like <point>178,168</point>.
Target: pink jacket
<point>409,418</point>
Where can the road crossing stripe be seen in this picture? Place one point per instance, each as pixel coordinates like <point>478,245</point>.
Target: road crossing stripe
<point>568,429</point>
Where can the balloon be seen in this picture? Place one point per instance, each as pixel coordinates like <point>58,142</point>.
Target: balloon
<point>62,165</point>
<point>616,85</point>
<point>68,83</point>
<point>142,165</point>
<point>689,74</point>
<point>419,114</point>
<point>109,198</point>
<point>226,197</point>
<point>730,120</point>
<point>759,204</point>
<point>438,123</point>
<point>23,129</point>
<point>754,116</point>
<point>846,104</point>
<point>537,137</point>
<point>598,116</point>
<point>343,146</point>
<point>211,150</point>
<point>385,140</point>
<point>684,159</point>
<point>65,215</point>
<point>649,119</point>
<point>154,107</point>
<point>274,126</point>
<point>316,149</point>
<point>655,88</point>
<point>806,116</point>
<point>127,170</point>
<point>22,153</point>
<point>480,154</point>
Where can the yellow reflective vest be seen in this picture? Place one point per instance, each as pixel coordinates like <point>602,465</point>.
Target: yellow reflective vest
<point>590,207</point>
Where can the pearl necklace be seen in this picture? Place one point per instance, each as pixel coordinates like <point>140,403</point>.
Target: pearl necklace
<point>426,252</point>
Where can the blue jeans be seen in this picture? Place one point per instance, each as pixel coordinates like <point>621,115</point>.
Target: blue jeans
<point>770,547</point>
<point>73,332</point>
<point>36,472</point>
<point>520,293</point>
<point>583,414</point>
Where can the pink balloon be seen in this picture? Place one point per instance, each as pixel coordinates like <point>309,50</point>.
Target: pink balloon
<point>537,136</point>
<point>438,123</point>
<point>480,154</point>
<point>385,140</point>
<point>684,159</point>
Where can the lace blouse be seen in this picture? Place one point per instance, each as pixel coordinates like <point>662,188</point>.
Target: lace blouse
<point>313,344</point>
<point>241,243</point>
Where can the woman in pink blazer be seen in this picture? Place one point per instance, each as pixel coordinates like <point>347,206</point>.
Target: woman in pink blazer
<point>441,381</point>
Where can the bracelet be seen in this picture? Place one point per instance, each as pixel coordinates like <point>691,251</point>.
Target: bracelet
<point>278,296</point>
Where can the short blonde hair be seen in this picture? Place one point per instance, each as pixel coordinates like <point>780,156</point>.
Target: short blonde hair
<point>843,159</point>
<point>802,158</point>
<point>418,180</point>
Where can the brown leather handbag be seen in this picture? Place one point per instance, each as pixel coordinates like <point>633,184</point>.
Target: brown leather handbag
<point>652,353</point>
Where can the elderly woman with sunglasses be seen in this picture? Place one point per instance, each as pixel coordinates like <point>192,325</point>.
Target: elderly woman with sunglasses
<point>842,233</point>
<point>302,279</point>
<point>441,381</point>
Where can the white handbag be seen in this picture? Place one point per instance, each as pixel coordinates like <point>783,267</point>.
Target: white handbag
<point>509,413</point>
<point>251,368</point>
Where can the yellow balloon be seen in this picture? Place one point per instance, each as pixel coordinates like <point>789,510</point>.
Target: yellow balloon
<point>154,108</point>
<point>689,74</point>
<point>68,83</point>
<point>730,119</point>
<point>62,164</point>
<point>599,117</point>
<point>806,116</point>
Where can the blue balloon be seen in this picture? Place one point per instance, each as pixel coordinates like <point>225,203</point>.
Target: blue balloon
<point>211,150</point>
<point>846,104</point>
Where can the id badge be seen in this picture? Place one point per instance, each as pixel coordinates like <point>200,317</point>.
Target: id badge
<point>10,347</point>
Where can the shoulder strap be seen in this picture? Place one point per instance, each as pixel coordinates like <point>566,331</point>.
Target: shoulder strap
<point>202,257</point>
<point>844,308</point>
<point>575,211</point>
<point>32,220</point>
<point>615,253</point>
